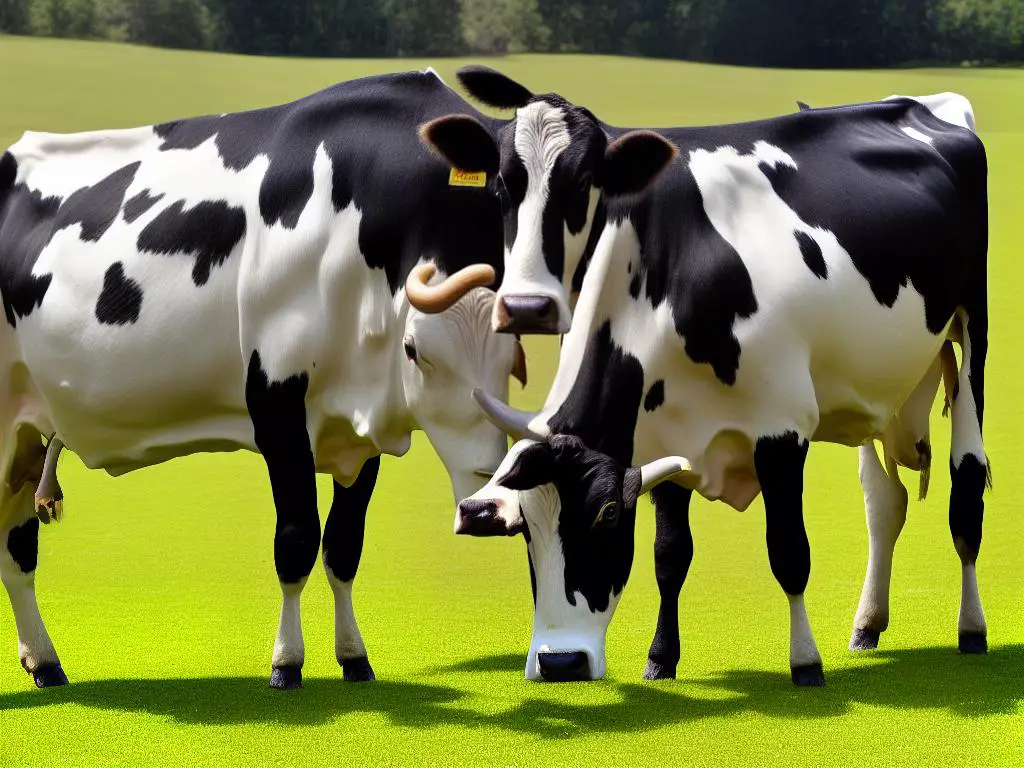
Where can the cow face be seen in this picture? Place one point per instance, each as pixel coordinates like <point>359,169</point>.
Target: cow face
<point>448,354</point>
<point>577,508</point>
<point>554,162</point>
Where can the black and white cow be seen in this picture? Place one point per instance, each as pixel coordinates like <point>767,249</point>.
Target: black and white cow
<point>752,288</point>
<point>261,280</point>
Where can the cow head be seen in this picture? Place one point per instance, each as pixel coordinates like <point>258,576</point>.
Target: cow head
<point>577,508</point>
<point>448,351</point>
<point>554,161</point>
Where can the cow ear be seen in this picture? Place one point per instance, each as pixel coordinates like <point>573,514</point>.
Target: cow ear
<point>634,160</point>
<point>463,141</point>
<point>534,466</point>
<point>492,88</point>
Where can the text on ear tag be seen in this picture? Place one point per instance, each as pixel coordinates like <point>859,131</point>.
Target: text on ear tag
<point>457,178</point>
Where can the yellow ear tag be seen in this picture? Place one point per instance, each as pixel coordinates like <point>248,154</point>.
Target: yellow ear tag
<point>459,178</point>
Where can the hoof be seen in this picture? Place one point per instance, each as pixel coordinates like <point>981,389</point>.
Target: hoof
<point>864,640</point>
<point>808,676</point>
<point>357,670</point>
<point>49,675</point>
<point>48,509</point>
<point>658,671</point>
<point>286,678</point>
<point>973,642</point>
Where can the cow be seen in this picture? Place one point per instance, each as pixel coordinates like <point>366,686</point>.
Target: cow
<point>306,281</point>
<point>748,289</point>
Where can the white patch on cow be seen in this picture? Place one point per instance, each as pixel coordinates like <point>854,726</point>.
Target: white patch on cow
<point>971,618</point>
<point>951,107</point>
<point>803,651</point>
<point>348,641</point>
<point>885,504</point>
<point>913,133</point>
<point>289,648</point>
<point>966,432</point>
<point>772,156</point>
<point>541,136</point>
<point>434,72</point>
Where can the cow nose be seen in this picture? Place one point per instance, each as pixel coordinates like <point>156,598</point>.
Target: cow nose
<point>524,313</point>
<point>564,666</point>
<point>481,518</point>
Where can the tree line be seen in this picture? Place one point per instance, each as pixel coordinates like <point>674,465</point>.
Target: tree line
<point>786,33</point>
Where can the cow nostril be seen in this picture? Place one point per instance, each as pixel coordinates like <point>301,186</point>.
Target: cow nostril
<point>477,508</point>
<point>525,313</point>
<point>563,666</point>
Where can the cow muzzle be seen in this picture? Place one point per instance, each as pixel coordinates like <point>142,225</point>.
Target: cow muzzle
<point>563,666</point>
<point>526,314</point>
<point>476,517</point>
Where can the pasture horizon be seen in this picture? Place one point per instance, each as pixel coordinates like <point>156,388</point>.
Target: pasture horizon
<point>160,593</point>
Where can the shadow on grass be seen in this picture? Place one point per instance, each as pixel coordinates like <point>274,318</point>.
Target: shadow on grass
<point>238,700</point>
<point>928,678</point>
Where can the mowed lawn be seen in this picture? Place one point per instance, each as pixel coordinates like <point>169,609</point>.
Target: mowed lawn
<point>159,587</point>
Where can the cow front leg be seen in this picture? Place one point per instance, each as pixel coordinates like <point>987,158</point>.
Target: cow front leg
<point>278,413</point>
<point>343,546</point>
<point>885,504</point>
<point>779,463</point>
<point>673,553</point>
<point>20,543</point>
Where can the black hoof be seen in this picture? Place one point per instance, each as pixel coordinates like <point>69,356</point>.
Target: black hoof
<point>864,640</point>
<point>357,670</point>
<point>658,671</point>
<point>973,642</point>
<point>809,676</point>
<point>286,678</point>
<point>49,675</point>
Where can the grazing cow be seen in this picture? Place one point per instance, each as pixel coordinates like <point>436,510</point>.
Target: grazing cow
<point>261,280</point>
<point>753,287</point>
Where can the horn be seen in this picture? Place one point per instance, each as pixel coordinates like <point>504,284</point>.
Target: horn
<point>431,299</point>
<point>660,470</point>
<point>514,423</point>
<point>519,366</point>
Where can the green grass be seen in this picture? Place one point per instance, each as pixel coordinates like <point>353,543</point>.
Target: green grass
<point>160,593</point>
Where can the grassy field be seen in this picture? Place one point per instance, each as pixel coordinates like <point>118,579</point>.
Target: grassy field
<point>160,593</point>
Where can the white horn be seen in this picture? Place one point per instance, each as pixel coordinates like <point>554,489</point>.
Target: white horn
<point>506,418</point>
<point>660,470</point>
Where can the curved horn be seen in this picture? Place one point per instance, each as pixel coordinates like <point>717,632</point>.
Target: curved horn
<point>431,299</point>
<point>514,423</point>
<point>660,470</point>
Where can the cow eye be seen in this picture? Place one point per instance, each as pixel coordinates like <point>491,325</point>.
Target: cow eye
<point>410,348</point>
<point>608,514</point>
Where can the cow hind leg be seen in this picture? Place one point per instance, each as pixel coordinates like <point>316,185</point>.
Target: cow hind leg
<point>673,553</point>
<point>969,474</point>
<point>779,463</point>
<point>885,504</point>
<point>278,414</point>
<point>19,541</point>
<point>342,549</point>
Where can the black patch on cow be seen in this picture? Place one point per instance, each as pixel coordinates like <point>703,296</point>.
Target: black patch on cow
<point>598,553</point>
<point>811,252</point>
<point>121,298</point>
<point>209,230</point>
<point>604,401</point>
<point>28,221</point>
<point>685,261</point>
<point>655,396</point>
<point>967,504</point>
<point>139,204</point>
<point>278,413</point>
<point>673,553</point>
<point>779,463</point>
<point>23,545</point>
<point>346,523</point>
<point>369,130</point>
<point>96,207</point>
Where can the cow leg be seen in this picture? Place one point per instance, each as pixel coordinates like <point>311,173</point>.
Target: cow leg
<point>343,546</point>
<point>885,502</point>
<point>19,539</point>
<point>673,552</point>
<point>779,463</point>
<point>278,413</point>
<point>969,473</point>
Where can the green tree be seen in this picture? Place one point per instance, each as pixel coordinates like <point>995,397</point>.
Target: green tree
<point>484,27</point>
<point>525,26</point>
